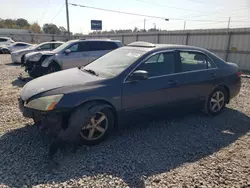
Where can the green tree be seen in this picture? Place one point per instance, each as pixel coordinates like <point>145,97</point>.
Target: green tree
<point>9,23</point>
<point>22,23</point>
<point>35,28</point>
<point>51,29</point>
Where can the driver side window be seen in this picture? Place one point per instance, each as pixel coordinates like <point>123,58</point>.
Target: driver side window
<point>45,47</point>
<point>74,48</point>
<point>159,64</point>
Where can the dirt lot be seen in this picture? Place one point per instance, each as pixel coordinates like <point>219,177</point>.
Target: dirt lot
<point>189,151</point>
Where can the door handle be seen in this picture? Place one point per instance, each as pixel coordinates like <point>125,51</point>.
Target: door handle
<point>212,74</point>
<point>172,82</point>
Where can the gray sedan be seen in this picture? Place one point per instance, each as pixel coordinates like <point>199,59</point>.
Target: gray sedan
<point>85,104</point>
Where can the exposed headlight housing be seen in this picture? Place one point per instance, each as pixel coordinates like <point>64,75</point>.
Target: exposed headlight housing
<point>44,103</point>
<point>46,62</point>
<point>36,57</point>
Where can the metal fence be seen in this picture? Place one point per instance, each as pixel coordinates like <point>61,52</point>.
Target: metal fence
<point>232,45</point>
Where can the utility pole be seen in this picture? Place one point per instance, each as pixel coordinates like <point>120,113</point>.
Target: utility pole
<point>154,26</point>
<point>228,26</point>
<point>67,15</point>
<point>184,26</point>
<point>144,24</point>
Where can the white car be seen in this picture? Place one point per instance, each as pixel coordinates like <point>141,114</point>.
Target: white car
<point>7,49</point>
<point>18,56</point>
<point>6,41</point>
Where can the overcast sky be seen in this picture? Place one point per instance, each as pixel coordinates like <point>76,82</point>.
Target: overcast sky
<point>53,11</point>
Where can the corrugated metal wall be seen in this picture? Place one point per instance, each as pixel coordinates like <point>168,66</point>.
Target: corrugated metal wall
<point>233,45</point>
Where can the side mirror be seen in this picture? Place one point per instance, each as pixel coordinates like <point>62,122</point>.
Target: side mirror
<point>67,51</point>
<point>138,75</point>
<point>39,48</point>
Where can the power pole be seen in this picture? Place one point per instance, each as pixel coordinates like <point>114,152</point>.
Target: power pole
<point>67,15</point>
<point>144,24</point>
<point>184,26</point>
<point>229,20</point>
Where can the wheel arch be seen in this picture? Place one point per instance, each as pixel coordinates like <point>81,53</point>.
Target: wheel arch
<point>227,90</point>
<point>53,61</point>
<point>96,102</point>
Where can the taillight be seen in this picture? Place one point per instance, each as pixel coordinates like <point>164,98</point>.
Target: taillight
<point>239,73</point>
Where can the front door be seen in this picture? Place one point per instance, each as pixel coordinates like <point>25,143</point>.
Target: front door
<point>76,57</point>
<point>157,91</point>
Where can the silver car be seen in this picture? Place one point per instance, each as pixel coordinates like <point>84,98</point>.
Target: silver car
<point>71,54</point>
<point>7,49</point>
<point>18,56</point>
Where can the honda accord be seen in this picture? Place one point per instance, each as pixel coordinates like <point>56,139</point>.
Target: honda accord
<point>85,104</point>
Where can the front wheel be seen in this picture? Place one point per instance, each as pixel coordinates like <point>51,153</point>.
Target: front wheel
<point>53,67</point>
<point>216,101</point>
<point>91,127</point>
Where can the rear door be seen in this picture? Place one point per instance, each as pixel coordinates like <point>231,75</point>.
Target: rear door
<point>197,75</point>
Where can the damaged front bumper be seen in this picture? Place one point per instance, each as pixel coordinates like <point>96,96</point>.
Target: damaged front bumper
<point>51,122</point>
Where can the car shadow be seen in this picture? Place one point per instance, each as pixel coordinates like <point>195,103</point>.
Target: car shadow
<point>131,154</point>
<point>21,81</point>
<point>13,64</point>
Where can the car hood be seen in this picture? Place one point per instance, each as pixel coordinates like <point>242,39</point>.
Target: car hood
<point>57,80</point>
<point>26,50</point>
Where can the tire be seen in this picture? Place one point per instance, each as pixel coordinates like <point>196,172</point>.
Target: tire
<point>22,60</point>
<point>81,125</point>
<point>5,51</point>
<point>53,67</point>
<point>216,101</point>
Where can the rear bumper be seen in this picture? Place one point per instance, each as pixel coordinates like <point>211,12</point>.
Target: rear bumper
<point>235,88</point>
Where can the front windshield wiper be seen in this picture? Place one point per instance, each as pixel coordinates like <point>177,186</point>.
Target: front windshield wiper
<point>90,71</point>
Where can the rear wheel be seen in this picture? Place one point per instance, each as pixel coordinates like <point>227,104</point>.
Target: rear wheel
<point>216,101</point>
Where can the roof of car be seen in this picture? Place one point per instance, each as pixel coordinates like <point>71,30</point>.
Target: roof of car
<point>98,39</point>
<point>150,46</point>
<point>52,42</point>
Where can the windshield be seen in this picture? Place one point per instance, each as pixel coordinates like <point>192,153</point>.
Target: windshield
<point>113,63</point>
<point>60,48</point>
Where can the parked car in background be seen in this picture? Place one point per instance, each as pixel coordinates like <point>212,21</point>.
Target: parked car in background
<point>7,49</point>
<point>6,41</point>
<point>84,104</point>
<point>18,56</point>
<point>73,53</point>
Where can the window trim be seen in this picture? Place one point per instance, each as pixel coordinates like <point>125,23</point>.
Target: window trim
<point>197,51</point>
<point>176,73</point>
<point>144,60</point>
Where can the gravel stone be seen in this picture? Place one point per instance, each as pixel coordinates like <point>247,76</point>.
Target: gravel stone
<point>191,150</point>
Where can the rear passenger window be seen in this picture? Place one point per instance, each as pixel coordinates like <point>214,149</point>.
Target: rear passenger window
<point>100,45</point>
<point>191,61</point>
<point>3,40</point>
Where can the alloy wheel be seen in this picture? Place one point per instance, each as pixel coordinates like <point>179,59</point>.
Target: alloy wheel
<point>217,101</point>
<point>96,128</point>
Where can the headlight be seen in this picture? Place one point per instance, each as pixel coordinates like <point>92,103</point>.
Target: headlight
<point>16,53</point>
<point>36,57</point>
<point>45,103</point>
<point>46,62</point>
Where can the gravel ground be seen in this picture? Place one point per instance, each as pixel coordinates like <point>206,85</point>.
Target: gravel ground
<point>189,151</point>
